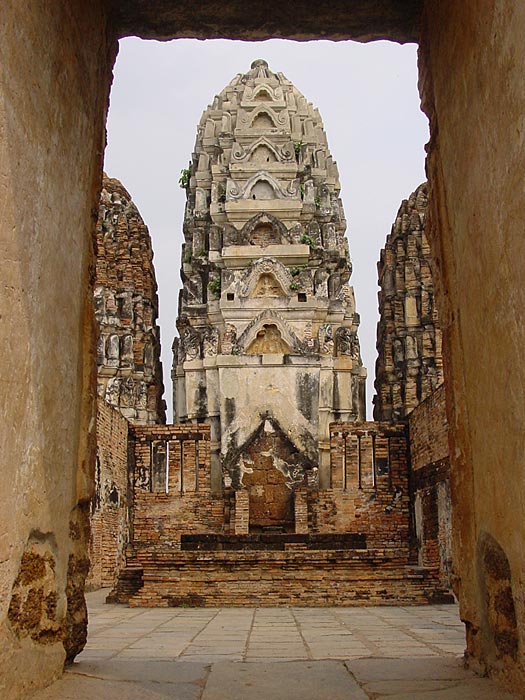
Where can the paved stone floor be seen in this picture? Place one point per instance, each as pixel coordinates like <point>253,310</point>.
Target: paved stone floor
<point>271,654</point>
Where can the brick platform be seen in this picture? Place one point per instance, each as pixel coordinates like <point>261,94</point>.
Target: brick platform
<point>293,577</point>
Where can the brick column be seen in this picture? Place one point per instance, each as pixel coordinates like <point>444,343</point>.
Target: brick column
<point>242,512</point>
<point>301,511</point>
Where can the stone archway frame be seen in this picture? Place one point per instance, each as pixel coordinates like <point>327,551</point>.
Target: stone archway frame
<point>245,119</point>
<point>264,218</point>
<point>237,192</point>
<point>285,152</point>
<point>268,316</point>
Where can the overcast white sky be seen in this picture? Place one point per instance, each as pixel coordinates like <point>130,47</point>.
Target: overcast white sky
<point>368,100</point>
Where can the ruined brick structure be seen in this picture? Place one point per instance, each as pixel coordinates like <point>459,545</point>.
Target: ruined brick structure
<point>109,506</point>
<point>409,366</point>
<point>268,329</point>
<point>126,310</point>
<point>430,472</point>
<point>129,370</point>
<point>270,464</point>
<point>409,376</point>
<point>349,543</point>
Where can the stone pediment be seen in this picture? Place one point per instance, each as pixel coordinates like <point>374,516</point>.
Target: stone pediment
<point>263,93</point>
<point>248,232</point>
<point>264,268</point>
<point>283,153</point>
<point>263,113</point>
<point>268,286</point>
<point>236,191</point>
<point>268,340</point>
<point>286,339</point>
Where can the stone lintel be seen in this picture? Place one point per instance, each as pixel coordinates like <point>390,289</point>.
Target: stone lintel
<point>242,210</point>
<point>361,20</point>
<point>248,361</point>
<point>242,255</point>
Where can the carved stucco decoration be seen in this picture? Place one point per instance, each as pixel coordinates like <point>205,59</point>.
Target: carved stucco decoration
<point>268,286</point>
<point>326,339</point>
<point>236,191</point>
<point>279,120</point>
<point>347,343</point>
<point>264,218</point>
<point>229,344</point>
<point>267,266</point>
<point>283,153</point>
<point>210,342</point>
<point>268,340</point>
<point>269,317</point>
<point>253,96</point>
<point>191,344</point>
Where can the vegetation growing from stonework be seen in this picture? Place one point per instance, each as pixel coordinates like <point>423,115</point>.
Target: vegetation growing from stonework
<point>296,270</point>
<point>308,240</point>
<point>184,179</point>
<point>215,287</point>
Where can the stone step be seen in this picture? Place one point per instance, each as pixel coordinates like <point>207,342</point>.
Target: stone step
<point>275,578</point>
<point>272,541</point>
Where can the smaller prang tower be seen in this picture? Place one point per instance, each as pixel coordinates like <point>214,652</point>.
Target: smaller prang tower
<point>129,370</point>
<point>268,352</point>
<point>409,365</point>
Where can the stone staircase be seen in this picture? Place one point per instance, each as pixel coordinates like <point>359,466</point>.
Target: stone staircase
<point>294,575</point>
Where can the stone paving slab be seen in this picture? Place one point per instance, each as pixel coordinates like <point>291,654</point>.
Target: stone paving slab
<point>405,653</point>
<point>119,679</point>
<point>296,680</point>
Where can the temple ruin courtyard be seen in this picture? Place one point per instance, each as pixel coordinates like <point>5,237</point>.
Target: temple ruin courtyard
<point>271,653</point>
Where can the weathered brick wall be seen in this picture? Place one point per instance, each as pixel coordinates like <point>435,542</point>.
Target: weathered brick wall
<point>109,507</point>
<point>293,577</point>
<point>428,430</point>
<point>429,449</point>
<point>369,494</point>
<point>172,486</point>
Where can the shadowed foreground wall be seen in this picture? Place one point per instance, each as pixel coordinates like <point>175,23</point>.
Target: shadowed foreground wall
<point>54,81</point>
<point>109,506</point>
<point>473,87</point>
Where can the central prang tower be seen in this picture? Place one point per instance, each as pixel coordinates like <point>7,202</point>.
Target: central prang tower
<point>268,352</point>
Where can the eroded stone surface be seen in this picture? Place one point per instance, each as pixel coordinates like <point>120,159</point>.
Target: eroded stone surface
<point>51,145</point>
<point>410,364</point>
<point>256,654</point>
<point>126,310</point>
<point>364,20</point>
<point>267,319</point>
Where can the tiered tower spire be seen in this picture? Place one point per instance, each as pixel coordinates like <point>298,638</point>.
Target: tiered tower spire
<point>268,329</point>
